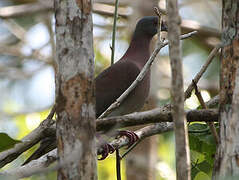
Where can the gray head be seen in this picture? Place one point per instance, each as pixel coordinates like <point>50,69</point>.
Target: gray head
<point>147,26</point>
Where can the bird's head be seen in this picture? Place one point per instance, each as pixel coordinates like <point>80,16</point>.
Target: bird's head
<point>147,26</point>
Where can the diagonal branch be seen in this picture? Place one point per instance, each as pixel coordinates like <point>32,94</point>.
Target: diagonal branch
<point>204,106</point>
<point>190,88</point>
<point>46,128</point>
<point>38,166</point>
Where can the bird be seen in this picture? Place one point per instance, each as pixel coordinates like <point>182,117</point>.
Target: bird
<point>114,80</point>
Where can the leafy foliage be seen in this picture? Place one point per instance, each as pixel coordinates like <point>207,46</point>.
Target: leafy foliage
<point>203,148</point>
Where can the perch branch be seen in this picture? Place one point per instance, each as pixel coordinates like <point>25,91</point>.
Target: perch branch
<point>40,165</point>
<point>146,117</point>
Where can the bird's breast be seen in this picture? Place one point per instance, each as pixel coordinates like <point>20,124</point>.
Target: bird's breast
<point>136,99</point>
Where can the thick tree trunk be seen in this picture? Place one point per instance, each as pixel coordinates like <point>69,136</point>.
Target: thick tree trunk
<point>74,90</point>
<point>227,157</point>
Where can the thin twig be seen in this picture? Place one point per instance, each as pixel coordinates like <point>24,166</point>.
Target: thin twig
<point>131,148</point>
<point>114,32</point>
<point>141,75</point>
<point>157,12</point>
<point>53,111</point>
<point>189,90</point>
<point>118,161</point>
<point>210,124</point>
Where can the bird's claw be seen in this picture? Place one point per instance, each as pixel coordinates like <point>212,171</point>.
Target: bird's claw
<point>132,136</point>
<point>107,149</point>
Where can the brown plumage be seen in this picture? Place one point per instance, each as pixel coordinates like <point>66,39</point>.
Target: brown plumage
<point>113,81</point>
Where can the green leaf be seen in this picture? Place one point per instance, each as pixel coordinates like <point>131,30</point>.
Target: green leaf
<point>6,142</point>
<point>202,142</point>
<point>202,176</point>
<point>205,167</point>
<point>194,172</point>
<point>203,148</point>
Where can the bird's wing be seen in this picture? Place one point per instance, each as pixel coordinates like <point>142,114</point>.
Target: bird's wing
<point>112,82</point>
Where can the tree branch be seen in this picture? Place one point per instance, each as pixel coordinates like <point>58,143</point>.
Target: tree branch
<point>46,128</point>
<point>154,116</point>
<point>38,166</point>
<point>147,117</point>
<point>41,165</point>
<point>204,106</point>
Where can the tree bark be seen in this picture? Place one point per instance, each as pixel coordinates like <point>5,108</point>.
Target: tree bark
<point>180,126</point>
<point>227,157</point>
<point>75,104</point>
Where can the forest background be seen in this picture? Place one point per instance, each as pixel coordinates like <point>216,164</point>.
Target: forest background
<point>27,73</point>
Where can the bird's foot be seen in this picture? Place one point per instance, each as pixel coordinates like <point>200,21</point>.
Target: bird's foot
<point>107,149</point>
<point>132,136</point>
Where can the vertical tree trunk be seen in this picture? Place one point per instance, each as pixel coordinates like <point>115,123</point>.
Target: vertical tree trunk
<point>74,90</point>
<point>227,157</point>
<point>180,127</point>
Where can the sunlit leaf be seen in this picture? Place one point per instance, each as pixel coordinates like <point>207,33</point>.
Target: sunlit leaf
<point>202,176</point>
<point>203,148</point>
